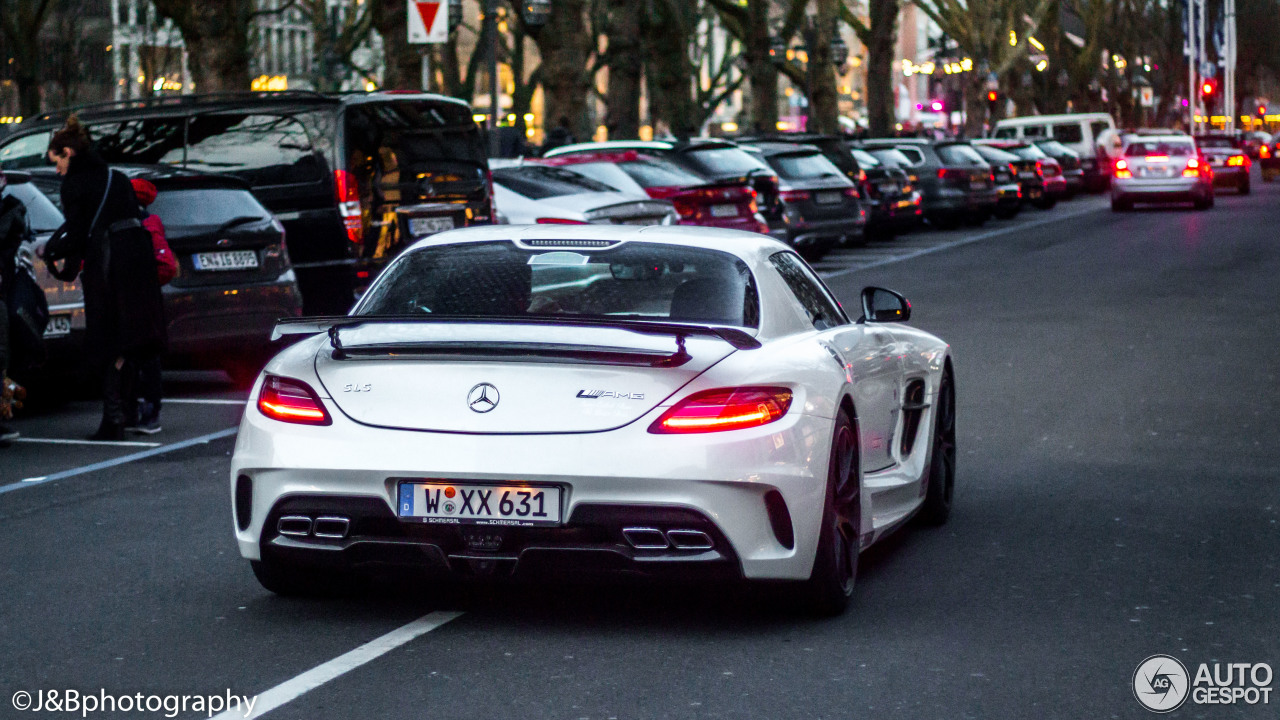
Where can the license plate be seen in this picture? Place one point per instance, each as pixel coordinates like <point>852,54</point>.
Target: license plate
<point>724,210</point>
<point>827,198</point>
<point>978,185</point>
<point>458,504</point>
<point>888,188</point>
<point>234,260</point>
<point>59,325</point>
<point>1027,174</point>
<point>419,227</point>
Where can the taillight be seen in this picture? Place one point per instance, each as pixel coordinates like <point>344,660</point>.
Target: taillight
<point>347,194</point>
<point>1122,170</point>
<point>1040,168</point>
<point>852,192</point>
<point>559,221</point>
<point>794,195</point>
<point>1236,161</point>
<point>1264,152</point>
<point>1013,169</point>
<point>291,401</point>
<point>724,409</point>
<point>1193,168</point>
<point>942,173</point>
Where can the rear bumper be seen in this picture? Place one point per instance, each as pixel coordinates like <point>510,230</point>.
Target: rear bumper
<point>1229,176</point>
<point>228,319</point>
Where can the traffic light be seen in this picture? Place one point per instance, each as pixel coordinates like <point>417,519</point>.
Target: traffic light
<point>993,99</point>
<point>1262,111</point>
<point>1209,88</point>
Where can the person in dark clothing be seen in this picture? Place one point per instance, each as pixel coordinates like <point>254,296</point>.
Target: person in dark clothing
<point>106,244</point>
<point>13,230</point>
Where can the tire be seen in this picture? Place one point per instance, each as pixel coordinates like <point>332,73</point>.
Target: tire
<point>1203,203</point>
<point>1120,204</point>
<point>941,480</point>
<point>293,581</point>
<point>835,564</point>
<point>1245,189</point>
<point>1046,202</point>
<point>945,222</point>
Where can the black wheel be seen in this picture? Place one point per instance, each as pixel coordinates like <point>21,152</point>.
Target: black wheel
<point>1244,187</point>
<point>1046,202</point>
<point>941,481</point>
<point>1120,204</point>
<point>293,581</point>
<point>835,565</point>
<point>1203,203</point>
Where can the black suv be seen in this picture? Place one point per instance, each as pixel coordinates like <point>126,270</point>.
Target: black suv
<point>353,177</point>
<point>955,181</point>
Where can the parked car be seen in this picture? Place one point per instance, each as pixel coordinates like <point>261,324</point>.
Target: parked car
<point>1040,175</point>
<point>1069,161</point>
<point>953,179</point>
<point>527,193</point>
<point>895,201</point>
<point>1269,160</point>
<point>1229,162</point>
<point>1162,169</point>
<point>729,203</point>
<point>353,177</point>
<point>716,161</point>
<point>1254,142</point>
<point>1004,168</point>
<point>1085,133</point>
<point>820,206</point>
<point>235,279</point>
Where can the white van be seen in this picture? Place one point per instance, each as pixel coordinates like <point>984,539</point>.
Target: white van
<point>1081,132</point>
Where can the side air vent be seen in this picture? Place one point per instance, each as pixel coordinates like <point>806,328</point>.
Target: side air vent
<point>913,407</point>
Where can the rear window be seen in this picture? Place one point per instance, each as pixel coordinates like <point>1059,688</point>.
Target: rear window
<point>1055,148</point>
<point>262,150</point>
<point>1029,152</point>
<point>895,158</point>
<point>1171,148</point>
<point>25,152</point>
<point>41,213</point>
<point>653,174</point>
<point>1070,132</point>
<point>403,151</point>
<point>808,166</point>
<point>539,182</point>
<point>637,281</point>
<point>995,155</point>
<point>717,162</point>
<point>149,141</point>
<point>1216,142</point>
<point>205,207</point>
<point>959,155</point>
<point>1035,131</point>
<point>865,159</point>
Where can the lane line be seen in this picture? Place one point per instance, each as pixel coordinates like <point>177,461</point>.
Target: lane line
<point>294,688</point>
<point>963,241</point>
<point>36,481</point>
<point>202,401</point>
<point>105,443</point>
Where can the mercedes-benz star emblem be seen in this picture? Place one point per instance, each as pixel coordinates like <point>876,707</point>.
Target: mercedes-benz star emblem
<point>483,398</point>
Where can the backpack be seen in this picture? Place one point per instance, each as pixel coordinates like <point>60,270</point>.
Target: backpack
<point>166,262</point>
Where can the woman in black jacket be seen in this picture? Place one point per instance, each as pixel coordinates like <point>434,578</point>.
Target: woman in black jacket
<point>105,242</point>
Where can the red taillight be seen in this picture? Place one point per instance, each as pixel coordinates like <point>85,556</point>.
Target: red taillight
<point>1236,161</point>
<point>724,409</point>
<point>1122,170</point>
<point>1193,168</point>
<point>1264,152</point>
<point>1040,168</point>
<point>559,221</point>
<point>942,173</point>
<point>852,192</point>
<point>347,193</point>
<point>1013,169</point>
<point>291,401</point>
<point>794,195</point>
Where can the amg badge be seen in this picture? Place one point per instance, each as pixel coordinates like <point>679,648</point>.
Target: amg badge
<point>595,394</point>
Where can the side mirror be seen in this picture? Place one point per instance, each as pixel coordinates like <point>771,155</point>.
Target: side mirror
<point>881,305</point>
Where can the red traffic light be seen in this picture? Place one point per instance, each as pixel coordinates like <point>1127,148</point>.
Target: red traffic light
<point>1208,87</point>
<point>1262,111</point>
<point>992,96</point>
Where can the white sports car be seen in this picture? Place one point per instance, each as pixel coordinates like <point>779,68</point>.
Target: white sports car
<point>531,399</point>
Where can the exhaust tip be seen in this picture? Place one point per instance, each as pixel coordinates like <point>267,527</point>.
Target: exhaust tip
<point>645,538</point>
<point>331,527</point>
<point>690,539</point>
<point>294,525</point>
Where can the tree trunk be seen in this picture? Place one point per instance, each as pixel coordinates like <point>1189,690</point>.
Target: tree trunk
<point>761,72</point>
<point>669,71</point>
<point>626,67</point>
<point>823,113</point>
<point>975,104</point>
<point>564,44</point>
<point>881,114</point>
<point>217,39</point>
<point>20,25</point>
<point>403,61</point>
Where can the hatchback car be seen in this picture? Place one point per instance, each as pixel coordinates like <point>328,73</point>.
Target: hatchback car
<point>528,193</point>
<point>1230,164</point>
<point>1040,175</point>
<point>820,206</point>
<point>353,177</point>
<point>1161,169</point>
<point>1004,169</point>
<point>953,178</point>
<point>1069,161</point>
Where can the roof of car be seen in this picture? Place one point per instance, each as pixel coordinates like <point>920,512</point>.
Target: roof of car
<point>750,247</point>
<point>164,176</point>
<point>768,148</point>
<point>639,145</point>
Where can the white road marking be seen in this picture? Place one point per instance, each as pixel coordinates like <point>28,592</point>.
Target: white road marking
<point>35,481</point>
<point>68,441</point>
<point>294,688</point>
<point>1053,218</point>
<point>202,401</point>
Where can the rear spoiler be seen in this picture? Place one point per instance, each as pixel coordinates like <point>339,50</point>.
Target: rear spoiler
<point>333,324</point>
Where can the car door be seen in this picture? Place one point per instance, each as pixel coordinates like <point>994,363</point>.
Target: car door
<point>867,353</point>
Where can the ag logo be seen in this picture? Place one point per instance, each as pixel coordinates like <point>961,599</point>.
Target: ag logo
<point>1161,683</point>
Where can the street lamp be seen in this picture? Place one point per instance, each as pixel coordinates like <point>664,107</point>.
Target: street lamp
<point>839,51</point>
<point>536,12</point>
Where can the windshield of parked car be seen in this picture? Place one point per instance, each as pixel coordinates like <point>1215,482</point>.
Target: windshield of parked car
<point>41,213</point>
<point>1028,152</point>
<point>635,281</point>
<point>200,207</point>
<point>538,182</point>
<point>1055,148</point>
<point>1169,148</point>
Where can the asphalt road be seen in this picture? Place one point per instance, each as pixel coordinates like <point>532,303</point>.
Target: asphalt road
<point>1117,498</point>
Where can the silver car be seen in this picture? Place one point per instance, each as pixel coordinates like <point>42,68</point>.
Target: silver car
<point>1161,169</point>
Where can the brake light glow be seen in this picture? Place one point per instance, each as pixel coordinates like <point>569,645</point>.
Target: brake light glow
<point>559,221</point>
<point>1194,168</point>
<point>1040,168</point>
<point>291,401</point>
<point>942,173</point>
<point>1264,152</point>
<point>724,409</point>
<point>347,193</point>
<point>794,195</point>
<point>1122,170</point>
<point>1157,158</point>
<point>852,192</point>
<point>1236,161</point>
